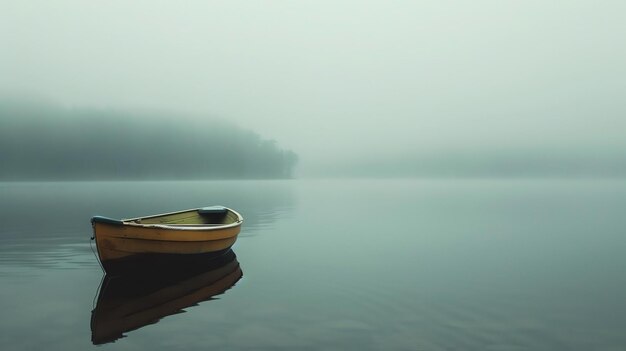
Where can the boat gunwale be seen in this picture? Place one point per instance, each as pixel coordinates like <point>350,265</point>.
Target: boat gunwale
<point>191,227</point>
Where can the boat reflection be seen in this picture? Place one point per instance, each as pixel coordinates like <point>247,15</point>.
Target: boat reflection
<point>128,302</point>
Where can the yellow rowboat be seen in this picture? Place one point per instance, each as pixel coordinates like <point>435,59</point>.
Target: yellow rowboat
<point>197,231</point>
<point>129,302</point>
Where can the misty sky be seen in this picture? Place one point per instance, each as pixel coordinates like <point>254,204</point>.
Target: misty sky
<point>340,81</point>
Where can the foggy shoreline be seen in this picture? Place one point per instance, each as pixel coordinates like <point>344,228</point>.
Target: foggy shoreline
<point>49,142</point>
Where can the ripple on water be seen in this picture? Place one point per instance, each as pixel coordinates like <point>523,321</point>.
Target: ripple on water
<point>414,320</point>
<point>31,256</point>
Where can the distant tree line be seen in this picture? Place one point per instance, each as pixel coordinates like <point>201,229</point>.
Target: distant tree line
<point>43,141</point>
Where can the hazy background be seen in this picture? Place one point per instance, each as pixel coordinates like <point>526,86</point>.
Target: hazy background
<point>506,97</point>
<point>382,88</point>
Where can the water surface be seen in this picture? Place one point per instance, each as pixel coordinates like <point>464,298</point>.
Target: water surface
<point>340,264</point>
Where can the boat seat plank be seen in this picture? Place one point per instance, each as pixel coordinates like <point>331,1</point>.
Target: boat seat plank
<point>212,210</point>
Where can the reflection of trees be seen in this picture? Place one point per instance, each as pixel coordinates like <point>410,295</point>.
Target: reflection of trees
<point>44,141</point>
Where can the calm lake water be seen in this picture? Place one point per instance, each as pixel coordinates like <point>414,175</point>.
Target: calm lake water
<point>339,264</point>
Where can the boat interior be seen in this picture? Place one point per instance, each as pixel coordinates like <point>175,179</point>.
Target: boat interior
<point>216,215</point>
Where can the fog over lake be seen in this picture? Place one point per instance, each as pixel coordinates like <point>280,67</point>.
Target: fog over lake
<point>375,88</point>
<point>412,175</point>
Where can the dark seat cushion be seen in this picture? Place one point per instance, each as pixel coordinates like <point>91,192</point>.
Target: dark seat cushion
<point>212,210</point>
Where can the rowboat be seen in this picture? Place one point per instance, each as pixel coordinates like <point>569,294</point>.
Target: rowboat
<point>129,302</point>
<point>207,230</point>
